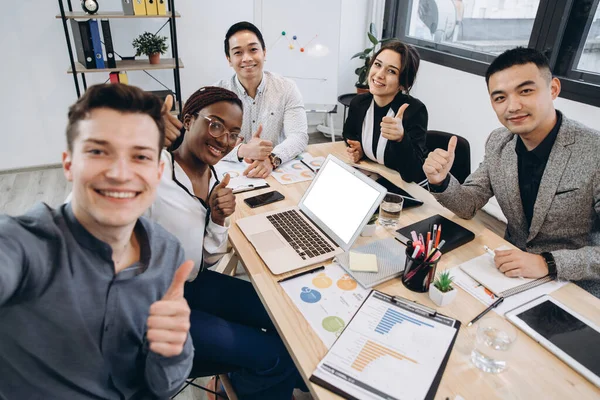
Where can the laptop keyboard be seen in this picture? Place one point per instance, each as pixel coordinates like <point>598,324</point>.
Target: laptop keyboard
<point>300,235</point>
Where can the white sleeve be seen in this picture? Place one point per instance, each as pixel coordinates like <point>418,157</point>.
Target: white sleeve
<point>295,126</point>
<point>215,242</point>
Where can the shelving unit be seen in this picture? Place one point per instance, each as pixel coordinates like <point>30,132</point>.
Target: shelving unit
<point>78,70</point>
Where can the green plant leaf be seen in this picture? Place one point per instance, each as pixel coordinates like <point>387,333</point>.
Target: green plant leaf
<point>373,39</point>
<point>372,29</point>
<point>359,54</point>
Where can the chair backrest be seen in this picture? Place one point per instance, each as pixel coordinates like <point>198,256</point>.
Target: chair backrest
<point>462,159</point>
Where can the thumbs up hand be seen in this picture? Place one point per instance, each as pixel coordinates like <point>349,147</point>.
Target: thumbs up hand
<point>438,163</point>
<point>221,202</point>
<point>172,124</point>
<point>392,128</point>
<point>256,148</point>
<point>169,319</point>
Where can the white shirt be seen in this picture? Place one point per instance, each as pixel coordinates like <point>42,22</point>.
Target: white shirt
<point>185,217</point>
<point>278,106</point>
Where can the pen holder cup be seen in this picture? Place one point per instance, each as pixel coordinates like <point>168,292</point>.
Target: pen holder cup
<point>418,274</point>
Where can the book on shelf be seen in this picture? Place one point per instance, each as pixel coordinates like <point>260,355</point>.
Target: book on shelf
<point>83,43</point>
<point>108,44</point>
<point>96,43</point>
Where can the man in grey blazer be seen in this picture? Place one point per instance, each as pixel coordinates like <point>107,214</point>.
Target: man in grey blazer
<point>544,170</point>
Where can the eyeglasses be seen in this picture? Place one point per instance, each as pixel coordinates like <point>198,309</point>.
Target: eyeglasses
<point>216,129</point>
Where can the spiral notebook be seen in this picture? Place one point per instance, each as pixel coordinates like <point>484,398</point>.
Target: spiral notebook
<point>484,271</point>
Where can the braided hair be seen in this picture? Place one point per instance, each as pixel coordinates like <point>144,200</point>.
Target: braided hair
<point>204,97</point>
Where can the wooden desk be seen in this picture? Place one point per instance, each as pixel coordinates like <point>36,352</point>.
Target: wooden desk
<point>533,372</point>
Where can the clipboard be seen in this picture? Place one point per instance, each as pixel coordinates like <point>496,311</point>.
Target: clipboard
<point>370,340</point>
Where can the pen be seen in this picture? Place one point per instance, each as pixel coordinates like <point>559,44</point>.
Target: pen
<point>310,271</point>
<point>307,166</point>
<point>489,251</point>
<point>487,310</point>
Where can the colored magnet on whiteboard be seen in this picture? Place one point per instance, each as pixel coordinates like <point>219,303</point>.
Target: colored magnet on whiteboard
<point>301,49</point>
<point>291,47</point>
<point>295,37</point>
<point>283,33</point>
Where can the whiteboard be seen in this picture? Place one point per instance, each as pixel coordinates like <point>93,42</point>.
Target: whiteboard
<point>308,52</point>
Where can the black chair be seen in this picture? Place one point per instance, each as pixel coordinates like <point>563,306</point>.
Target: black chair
<point>462,158</point>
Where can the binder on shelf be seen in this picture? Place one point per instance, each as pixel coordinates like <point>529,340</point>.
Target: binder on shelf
<point>162,7</point>
<point>151,8</point>
<point>83,43</point>
<point>139,7</point>
<point>123,78</point>
<point>114,77</point>
<point>128,7</point>
<point>108,44</point>
<point>96,43</point>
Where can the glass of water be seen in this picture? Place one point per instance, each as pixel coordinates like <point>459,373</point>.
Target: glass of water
<point>493,340</point>
<point>389,210</point>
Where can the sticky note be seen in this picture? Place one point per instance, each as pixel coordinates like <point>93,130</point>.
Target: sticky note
<point>363,262</point>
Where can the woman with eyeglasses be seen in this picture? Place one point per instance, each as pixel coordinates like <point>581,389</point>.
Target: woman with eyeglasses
<point>230,328</point>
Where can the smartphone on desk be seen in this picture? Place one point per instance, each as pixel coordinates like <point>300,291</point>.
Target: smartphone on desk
<point>264,199</point>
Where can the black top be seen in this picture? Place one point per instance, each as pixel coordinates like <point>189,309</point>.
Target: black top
<point>406,156</point>
<point>531,168</point>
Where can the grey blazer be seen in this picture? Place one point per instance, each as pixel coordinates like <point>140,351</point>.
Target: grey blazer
<point>566,216</point>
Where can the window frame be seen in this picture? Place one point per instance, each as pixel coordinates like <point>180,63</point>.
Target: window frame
<point>553,33</point>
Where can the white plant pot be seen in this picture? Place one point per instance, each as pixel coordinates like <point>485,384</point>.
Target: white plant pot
<point>441,299</point>
<point>368,230</point>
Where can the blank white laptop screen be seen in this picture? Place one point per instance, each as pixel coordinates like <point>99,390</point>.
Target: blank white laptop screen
<point>340,199</point>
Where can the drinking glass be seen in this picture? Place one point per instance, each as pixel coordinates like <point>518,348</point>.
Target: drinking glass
<point>390,209</point>
<point>493,341</point>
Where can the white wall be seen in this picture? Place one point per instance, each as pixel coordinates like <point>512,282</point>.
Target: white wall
<point>38,92</point>
<point>458,102</point>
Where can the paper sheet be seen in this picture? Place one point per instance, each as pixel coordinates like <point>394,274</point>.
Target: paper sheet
<point>387,352</point>
<point>295,171</point>
<point>239,183</point>
<point>327,299</point>
<point>477,290</point>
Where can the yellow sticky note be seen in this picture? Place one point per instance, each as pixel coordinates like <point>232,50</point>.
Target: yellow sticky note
<point>363,262</point>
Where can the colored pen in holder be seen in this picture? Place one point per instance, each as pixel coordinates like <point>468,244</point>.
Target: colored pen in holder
<point>419,268</point>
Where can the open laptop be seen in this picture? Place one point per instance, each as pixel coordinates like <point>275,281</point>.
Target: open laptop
<point>330,216</point>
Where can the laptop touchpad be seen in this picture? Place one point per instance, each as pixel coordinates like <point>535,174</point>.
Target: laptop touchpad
<point>267,241</point>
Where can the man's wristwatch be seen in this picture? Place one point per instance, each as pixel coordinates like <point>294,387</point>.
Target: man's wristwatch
<point>275,161</point>
<point>549,258</point>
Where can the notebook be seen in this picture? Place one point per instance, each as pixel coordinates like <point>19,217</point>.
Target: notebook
<point>238,182</point>
<point>484,271</point>
<point>391,256</point>
<point>454,234</point>
<point>391,349</point>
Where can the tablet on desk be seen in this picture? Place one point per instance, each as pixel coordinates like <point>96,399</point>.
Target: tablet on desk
<point>571,337</point>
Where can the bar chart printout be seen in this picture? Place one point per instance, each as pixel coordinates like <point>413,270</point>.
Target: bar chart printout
<point>387,352</point>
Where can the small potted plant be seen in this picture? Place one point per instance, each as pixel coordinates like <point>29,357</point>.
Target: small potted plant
<point>151,45</point>
<point>442,292</point>
<point>362,85</point>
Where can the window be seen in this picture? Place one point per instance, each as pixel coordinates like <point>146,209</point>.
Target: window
<point>469,34</point>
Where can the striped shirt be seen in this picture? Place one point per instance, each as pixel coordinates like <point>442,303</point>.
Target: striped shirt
<point>278,106</point>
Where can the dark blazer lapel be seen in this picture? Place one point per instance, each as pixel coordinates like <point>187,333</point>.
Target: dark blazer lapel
<point>510,167</point>
<point>557,162</point>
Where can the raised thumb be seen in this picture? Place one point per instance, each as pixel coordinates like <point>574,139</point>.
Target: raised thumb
<point>168,104</point>
<point>452,145</point>
<point>175,291</point>
<point>225,181</point>
<point>400,113</point>
<point>258,132</point>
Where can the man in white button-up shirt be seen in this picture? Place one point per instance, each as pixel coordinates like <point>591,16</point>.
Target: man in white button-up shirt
<point>274,125</point>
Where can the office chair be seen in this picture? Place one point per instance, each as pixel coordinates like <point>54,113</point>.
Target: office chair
<point>197,372</point>
<point>462,156</point>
